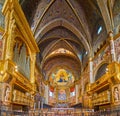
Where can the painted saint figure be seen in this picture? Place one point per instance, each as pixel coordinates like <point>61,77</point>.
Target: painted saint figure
<point>62,78</point>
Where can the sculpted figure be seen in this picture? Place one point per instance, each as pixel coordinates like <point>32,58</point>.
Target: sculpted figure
<point>116,94</point>
<point>7,94</point>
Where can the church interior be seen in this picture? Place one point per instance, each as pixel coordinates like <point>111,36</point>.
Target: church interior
<point>59,57</point>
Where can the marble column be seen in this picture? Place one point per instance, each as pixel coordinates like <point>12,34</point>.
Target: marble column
<point>113,54</point>
<point>46,94</point>
<point>91,70</point>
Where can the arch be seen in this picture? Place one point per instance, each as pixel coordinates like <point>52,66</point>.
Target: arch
<point>47,53</point>
<point>118,29</point>
<point>67,25</point>
<point>23,40</point>
<point>55,43</point>
<point>101,70</point>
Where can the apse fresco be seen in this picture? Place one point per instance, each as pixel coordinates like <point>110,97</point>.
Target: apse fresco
<point>61,77</point>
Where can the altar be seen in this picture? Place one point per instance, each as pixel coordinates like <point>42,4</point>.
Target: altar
<point>63,111</point>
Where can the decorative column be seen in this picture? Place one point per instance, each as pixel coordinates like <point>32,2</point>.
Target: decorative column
<point>77,92</point>
<point>38,104</point>
<point>32,68</point>
<point>112,46</point>
<point>46,94</point>
<point>42,105</point>
<point>91,70</point>
<point>1,91</point>
<point>10,28</point>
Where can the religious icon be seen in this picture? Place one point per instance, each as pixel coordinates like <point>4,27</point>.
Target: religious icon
<point>61,79</point>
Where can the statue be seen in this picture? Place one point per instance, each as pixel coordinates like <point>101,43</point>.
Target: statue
<point>116,94</point>
<point>7,94</point>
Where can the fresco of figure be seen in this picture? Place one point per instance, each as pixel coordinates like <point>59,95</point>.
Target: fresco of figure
<point>62,78</point>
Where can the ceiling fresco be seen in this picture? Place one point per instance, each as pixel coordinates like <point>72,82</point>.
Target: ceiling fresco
<point>67,33</point>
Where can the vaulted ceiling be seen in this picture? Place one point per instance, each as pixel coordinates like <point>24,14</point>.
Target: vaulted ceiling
<point>67,31</point>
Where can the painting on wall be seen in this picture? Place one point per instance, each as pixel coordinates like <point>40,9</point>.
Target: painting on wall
<point>61,77</point>
<point>104,55</point>
<point>62,95</point>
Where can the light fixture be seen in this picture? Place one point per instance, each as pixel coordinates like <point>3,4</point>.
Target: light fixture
<point>16,68</point>
<point>1,72</point>
<point>107,70</point>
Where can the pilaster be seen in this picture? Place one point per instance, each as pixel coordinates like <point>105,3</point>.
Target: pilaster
<point>32,68</point>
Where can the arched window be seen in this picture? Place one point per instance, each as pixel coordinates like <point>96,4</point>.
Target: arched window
<point>99,30</point>
<point>72,94</point>
<point>51,94</point>
<point>101,71</point>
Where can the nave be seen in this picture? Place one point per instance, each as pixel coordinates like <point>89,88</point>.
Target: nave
<point>59,57</point>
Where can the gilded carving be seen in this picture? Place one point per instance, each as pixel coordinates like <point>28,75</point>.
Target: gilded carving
<point>116,94</point>
<point>17,36</point>
<point>7,92</point>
